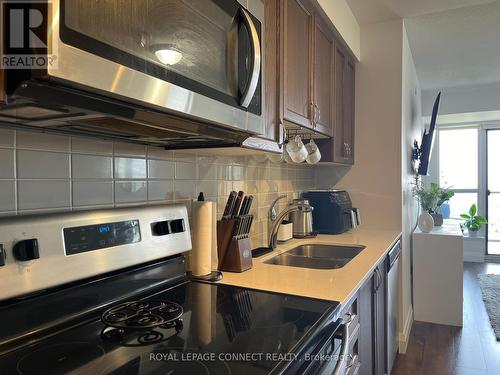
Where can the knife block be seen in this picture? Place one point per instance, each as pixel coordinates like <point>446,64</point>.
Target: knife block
<point>225,229</point>
<point>238,257</point>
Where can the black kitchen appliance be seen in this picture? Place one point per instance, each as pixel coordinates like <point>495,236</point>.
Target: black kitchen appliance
<point>332,210</point>
<point>106,292</point>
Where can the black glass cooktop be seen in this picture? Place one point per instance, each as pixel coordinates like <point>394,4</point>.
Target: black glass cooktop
<point>222,330</point>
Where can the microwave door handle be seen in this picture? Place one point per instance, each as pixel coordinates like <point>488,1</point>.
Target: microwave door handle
<point>256,60</point>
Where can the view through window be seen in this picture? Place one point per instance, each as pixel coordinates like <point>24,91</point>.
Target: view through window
<point>458,169</point>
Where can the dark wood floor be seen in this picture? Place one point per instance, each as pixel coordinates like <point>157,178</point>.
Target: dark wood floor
<point>441,350</point>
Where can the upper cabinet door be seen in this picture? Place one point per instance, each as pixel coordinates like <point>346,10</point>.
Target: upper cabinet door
<point>340,146</point>
<point>349,92</point>
<point>296,61</point>
<point>324,78</point>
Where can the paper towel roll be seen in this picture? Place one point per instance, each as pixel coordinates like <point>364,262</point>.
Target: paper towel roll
<point>204,238</point>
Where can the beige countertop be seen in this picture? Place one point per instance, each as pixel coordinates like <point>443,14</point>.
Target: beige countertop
<point>333,285</point>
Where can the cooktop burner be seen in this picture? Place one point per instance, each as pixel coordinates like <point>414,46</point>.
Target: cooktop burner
<point>142,315</point>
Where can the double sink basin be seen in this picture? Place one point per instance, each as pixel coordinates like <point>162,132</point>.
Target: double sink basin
<point>317,256</point>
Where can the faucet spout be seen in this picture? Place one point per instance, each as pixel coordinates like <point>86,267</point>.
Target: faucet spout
<point>273,234</point>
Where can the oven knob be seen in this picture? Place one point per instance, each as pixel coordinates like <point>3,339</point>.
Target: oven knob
<point>177,226</point>
<point>26,250</point>
<point>161,228</point>
<point>2,255</point>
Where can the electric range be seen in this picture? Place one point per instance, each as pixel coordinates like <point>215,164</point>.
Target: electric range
<point>106,292</point>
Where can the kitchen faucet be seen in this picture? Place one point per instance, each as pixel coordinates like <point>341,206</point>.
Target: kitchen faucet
<point>276,222</point>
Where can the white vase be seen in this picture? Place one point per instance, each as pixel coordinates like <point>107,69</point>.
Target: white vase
<point>425,222</point>
<point>473,233</point>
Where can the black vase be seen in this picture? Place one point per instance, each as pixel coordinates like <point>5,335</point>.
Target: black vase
<point>438,219</point>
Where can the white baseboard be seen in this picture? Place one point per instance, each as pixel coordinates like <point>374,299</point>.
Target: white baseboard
<point>404,337</point>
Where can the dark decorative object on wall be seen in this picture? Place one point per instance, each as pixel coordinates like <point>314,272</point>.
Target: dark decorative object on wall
<point>421,155</point>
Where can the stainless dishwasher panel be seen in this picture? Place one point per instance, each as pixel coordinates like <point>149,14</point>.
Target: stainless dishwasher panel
<point>392,285</point>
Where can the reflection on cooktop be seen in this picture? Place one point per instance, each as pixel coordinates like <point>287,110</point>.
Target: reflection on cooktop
<point>58,358</point>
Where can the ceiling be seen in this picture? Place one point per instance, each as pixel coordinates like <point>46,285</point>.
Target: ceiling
<point>373,11</point>
<point>455,43</point>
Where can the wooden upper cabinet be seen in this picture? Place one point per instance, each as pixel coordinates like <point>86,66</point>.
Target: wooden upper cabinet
<point>296,61</point>
<point>324,78</point>
<point>271,78</point>
<point>343,134</point>
<point>272,135</point>
<point>339,148</point>
<point>349,99</point>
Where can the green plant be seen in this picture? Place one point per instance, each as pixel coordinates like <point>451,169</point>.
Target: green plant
<point>431,198</point>
<point>473,222</point>
<point>444,196</point>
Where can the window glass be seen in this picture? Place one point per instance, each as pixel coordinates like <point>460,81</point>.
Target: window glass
<point>459,204</point>
<point>458,158</point>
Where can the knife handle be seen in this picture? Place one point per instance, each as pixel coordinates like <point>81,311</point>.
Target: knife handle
<point>229,206</point>
<point>237,203</point>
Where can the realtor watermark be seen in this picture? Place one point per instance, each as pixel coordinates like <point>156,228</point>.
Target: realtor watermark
<point>24,42</point>
<point>243,357</point>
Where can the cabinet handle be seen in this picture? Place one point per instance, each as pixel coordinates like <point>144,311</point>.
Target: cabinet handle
<point>317,112</point>
<point>345,149</point>
<point>312,114</point>
<point>380,278</point>
<point>349,317</point>
<point>378,281</point>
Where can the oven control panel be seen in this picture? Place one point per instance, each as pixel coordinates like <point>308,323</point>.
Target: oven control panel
<point>39,252</point>
<point>99,236</point>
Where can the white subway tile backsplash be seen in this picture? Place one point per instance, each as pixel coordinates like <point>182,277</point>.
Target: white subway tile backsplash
<point>210,188</point>
<point>130,191</point>
<point>38,194</point>
<point>185,171</point>
<point>42,141</point>
<point>130,149</point>
<point>42,164</point>
<point>159,153</point>
<point>91,146</point>
<point>91,167</point>
<point>184,189</point>
<point>211,171</point>
<point>7,137</point>
<point>7,164</point>
<point>161,169</point>
<point>92,193</point>
<point>160,190</point>
<point>45,173</point>
<point>130,168</point>
<point>7,196</point>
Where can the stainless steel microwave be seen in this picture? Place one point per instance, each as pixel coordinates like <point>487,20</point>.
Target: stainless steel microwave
<point>195,59</point>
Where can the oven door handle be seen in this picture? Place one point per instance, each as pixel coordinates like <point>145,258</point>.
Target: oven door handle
<point>256,60</point>
<point>340,367</point>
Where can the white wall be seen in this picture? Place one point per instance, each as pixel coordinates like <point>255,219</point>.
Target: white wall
<point>342,17</point>
<point>388,119</point>
<point>374,182</point>
<point>412,129</point>
<point>463,99</point>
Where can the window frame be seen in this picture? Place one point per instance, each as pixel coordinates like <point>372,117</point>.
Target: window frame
<point>434,175</point>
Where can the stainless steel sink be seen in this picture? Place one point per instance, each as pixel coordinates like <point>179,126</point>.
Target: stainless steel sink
<point>317,256</point>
